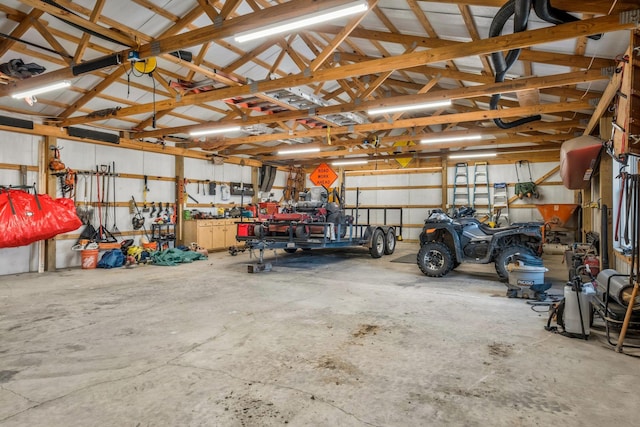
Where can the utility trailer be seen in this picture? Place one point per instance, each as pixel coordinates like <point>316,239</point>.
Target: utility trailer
<point>293,235</point>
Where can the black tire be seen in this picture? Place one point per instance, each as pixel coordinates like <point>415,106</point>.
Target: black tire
<point>259,231</point>
<point>435,259</point>
<point>290,250</point>
<point>303,231</point>
<point>377,244</point>
<point>390,242</point>
<point>506,256</point>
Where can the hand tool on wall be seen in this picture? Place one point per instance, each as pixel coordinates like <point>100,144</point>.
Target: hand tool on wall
<point>114,229</point>
<point>159,210</point>
<point>145,189</point>
<point>623,177</point>
<point>153,209</point>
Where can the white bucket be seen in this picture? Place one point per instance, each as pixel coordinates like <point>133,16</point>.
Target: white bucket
<point>524,275</point>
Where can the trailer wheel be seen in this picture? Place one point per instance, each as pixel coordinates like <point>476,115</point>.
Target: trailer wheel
<point>303,231</point>
<point>377,244</point>
<point>390,242</point>
<point>259,231</point>
<point>290,250</point>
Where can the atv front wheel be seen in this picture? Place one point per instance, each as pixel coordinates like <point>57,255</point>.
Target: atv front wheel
<point>435,259</point>
<point>507,256</point>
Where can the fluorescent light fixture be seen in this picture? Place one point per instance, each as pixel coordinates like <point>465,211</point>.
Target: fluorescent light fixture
<point>312,19</point>
<point>299,151</point>
<point>451,139</point>
<point>472,156</point>
<point>213,131</point>
<point>423,106</point>
<point>42,89</point>
<point>350,162</point>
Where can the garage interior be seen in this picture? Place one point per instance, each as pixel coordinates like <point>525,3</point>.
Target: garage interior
<point>367,217</point>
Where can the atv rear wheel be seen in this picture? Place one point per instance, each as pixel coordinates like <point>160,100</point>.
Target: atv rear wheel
<point>507,256</point>
<point>435,259</point>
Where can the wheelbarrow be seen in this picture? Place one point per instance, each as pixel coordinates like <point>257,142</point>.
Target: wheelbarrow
<point>526,188</point>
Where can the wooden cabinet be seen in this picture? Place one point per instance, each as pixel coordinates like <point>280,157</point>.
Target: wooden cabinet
<point>211,234</point>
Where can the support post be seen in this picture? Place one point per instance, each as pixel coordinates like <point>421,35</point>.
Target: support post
<point>51,189</point>
<point>445,185</point>
<point>180,199</point>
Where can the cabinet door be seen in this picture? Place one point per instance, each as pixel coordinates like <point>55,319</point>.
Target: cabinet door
<point>230,233</point>
<point>218,236</point>
<point>205,236</point>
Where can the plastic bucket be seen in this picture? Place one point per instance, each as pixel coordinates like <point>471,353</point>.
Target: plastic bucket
<point>150,245</point>
<point>89,258</point>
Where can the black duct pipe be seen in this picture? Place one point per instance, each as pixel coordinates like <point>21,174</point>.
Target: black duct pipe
<point>520,10</point>
<point>96,64</point>
<point>555,16</point>
<point>16,123</point>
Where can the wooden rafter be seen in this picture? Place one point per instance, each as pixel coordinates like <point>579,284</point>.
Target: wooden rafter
<point>563,31</point>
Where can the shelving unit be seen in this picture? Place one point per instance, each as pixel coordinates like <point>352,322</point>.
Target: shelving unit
<point>164,234</point>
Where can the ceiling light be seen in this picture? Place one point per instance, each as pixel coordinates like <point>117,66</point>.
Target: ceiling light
<point>42,89</point>
<point>213,131</point>
<point>350,162</point>
<point>451,139</point>
<point>423,106</point>
<point>299,151</point>
<point>300,22</point>
<point>472,156</point>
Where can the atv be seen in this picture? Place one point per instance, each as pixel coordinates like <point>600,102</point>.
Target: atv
<point>446,242</point>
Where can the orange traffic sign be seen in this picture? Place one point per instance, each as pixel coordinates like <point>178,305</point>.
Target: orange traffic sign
<point>323,175</point>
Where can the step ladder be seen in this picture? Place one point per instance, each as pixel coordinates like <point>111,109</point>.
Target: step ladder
<point>501,202</point>
<point>481,202</point>
<point>461,186</point>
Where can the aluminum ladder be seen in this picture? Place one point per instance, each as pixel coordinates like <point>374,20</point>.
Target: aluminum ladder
<point>481,202</point>
<point>501,202</point>
<point>461,186</point>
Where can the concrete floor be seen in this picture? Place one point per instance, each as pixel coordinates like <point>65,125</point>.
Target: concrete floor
<point>337,339</point>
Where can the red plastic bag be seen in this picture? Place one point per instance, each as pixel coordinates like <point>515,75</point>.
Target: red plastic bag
<point>26,218</point>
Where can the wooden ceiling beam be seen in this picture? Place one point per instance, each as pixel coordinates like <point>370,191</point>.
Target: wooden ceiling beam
<point>513,137</point>
<point>95,14</point>
<point>552,58</point>
<point>53,42</point>
<point>481,115</point>
<point>339,38</point>
<point>584,6</point>
<point>523,39</point>
<point>23,26</point>
<point>121,38</point>
<point>443,94</point>
<point>173,41</point>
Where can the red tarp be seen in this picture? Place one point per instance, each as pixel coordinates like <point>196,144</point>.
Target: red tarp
<point>26,218</point>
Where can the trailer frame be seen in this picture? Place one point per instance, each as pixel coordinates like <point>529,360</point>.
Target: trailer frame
<point>379,239</point>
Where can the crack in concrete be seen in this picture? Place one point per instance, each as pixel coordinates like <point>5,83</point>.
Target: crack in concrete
<point>316,398</point>
<point>18,394</point>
